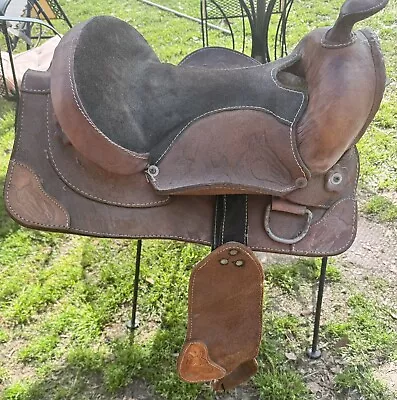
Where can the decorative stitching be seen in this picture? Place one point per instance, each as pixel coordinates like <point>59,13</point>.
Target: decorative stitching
<point>330,209</point>
<point>215,223</point>
<point>350,155</point>
<point>84,114</point>
<point>193,281</point>
<point>13,162</point>
<point>90,195</point>
<point>327,45</point>
<point>215,112</point>
<point>224,218</point>
<point>296,116</point>
<point>27,90</point>
<point>246,221</point>
<point>381,3</point>
<point>291,61</point>
<point>249,190</point>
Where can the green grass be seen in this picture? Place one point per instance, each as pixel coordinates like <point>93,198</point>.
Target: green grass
<point>290,276</point>
<point>382,208</point>
<point>64,300</point>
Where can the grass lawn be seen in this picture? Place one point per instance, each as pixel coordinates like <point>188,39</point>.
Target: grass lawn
<point>64,300</point>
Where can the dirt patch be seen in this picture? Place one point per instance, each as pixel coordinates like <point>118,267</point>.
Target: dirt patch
<point>387,374</point>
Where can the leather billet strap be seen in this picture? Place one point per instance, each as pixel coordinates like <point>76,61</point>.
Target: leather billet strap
<point>226,290</point>
<point>285,206</point>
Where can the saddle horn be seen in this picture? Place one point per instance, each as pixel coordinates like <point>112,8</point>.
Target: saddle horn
<point>352,11</point>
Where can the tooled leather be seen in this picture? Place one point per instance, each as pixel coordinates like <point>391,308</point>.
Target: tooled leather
<point>253,158</point>
<point>27,201</point>
<point>196,365</point>
<point>237,298</point>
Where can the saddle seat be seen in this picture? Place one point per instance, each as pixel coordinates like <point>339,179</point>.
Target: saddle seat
<point>123,109</point>
<point>195,130</point>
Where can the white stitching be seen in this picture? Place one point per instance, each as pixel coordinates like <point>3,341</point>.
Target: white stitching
<point>27,90</point>
<point>224,218</point>
<point>314,253</point>
<point>214,112</point>
<point>296,116</point>
<point>215,222</point>
<point>381,3</point>
<point>84,114</point>
<point>350,155</point>
<point>126,236</point>
<point>249,190</point>
<point>92,196</point>
<point>193,280</point>
<point>246,221</point>
<point>291,123</point>
<point>327,45</point>
<point>67,225</point>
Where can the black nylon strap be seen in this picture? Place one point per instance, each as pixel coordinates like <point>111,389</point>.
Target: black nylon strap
<point>230,220</point>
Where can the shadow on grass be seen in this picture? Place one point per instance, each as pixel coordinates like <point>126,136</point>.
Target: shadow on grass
<point>114,370</point>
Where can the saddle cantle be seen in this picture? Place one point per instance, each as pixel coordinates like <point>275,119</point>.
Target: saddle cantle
<point>111,142</point>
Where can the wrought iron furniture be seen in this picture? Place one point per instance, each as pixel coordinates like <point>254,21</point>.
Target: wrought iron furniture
<point>259,15</point>
<point>27,25</point>
<point>220,150</point>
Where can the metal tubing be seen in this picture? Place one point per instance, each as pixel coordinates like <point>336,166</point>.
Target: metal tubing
<point>177,13</point>
<point>133,323</point>
<point>314,353</point>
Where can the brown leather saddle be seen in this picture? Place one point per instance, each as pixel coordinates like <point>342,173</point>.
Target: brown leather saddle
<point>219,150</point>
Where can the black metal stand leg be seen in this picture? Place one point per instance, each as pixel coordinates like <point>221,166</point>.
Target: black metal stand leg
<point>134,323</point>
<point>314,353</point>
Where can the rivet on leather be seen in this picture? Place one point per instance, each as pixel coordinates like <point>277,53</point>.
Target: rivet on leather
<point>153,171</point>
<point>301,182</point>
<point>335,179</point>
<point>212,349</point>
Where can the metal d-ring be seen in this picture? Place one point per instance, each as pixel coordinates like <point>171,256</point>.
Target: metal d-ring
<point>283,240</point>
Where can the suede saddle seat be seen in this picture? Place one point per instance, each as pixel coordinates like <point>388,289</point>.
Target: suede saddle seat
<point>132,108</point>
